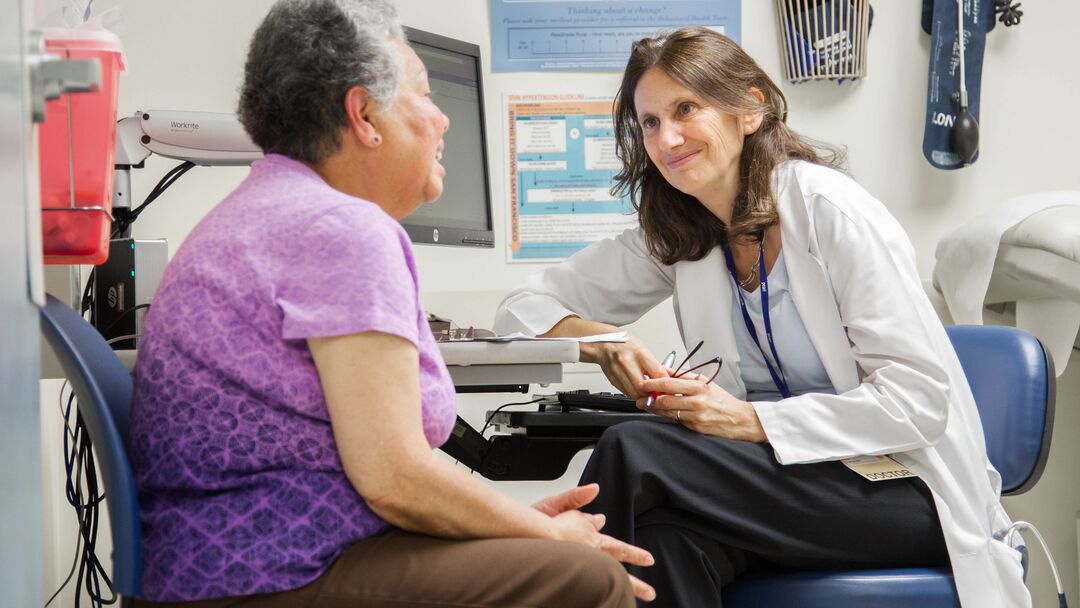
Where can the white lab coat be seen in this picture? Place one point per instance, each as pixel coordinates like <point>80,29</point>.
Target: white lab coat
<point>899,386</point>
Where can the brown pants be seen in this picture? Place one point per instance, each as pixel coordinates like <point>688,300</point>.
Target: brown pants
<point>403,570</point>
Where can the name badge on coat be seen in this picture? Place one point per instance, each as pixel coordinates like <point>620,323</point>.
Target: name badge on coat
<point>877,468</point>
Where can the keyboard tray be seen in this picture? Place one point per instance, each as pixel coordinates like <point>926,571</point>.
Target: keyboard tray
<point>611,402</point>
<point>573,423</point>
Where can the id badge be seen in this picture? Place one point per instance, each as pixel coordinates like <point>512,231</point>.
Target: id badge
<point>877,468</point>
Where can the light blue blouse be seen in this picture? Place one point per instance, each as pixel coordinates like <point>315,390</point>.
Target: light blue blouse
<point>802,366</point>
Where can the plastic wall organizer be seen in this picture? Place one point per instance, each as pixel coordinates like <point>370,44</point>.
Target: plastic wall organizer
<point>824,39</point>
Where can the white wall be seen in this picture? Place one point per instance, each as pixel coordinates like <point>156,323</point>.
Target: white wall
<point>190,55</point>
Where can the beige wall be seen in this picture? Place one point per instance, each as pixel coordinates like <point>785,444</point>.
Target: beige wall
<point>189,56</point>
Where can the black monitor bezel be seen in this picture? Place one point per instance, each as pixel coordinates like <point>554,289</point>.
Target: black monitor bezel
<point>424,231</point>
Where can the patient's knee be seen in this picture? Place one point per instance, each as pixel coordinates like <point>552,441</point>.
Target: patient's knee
<point>587,577</point>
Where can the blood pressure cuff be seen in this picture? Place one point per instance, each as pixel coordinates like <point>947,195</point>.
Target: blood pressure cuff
<point>943,86</point>
<point>928,17</point>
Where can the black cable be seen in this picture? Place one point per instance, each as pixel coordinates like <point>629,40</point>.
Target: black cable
<point>121,226</point>
<point>71,572</point>
<point>80,466</point>
<point>491,416</point>
<point>68,433</point>
<point>87,302</point>
<point>67,428</point>
<point>163,184</point>
<point>92,568</point>
<point>105,332</point>
<point>97,569</point>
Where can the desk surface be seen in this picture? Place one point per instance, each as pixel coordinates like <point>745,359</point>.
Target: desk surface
<point>477,353</point>
<point>508,353</point>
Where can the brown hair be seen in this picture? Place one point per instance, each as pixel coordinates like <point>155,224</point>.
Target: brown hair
<point>676,226</point>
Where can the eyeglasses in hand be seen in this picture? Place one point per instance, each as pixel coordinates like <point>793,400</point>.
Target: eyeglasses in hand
<point>707,365</point>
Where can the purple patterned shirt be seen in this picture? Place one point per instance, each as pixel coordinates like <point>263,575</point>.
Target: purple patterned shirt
<point>241,490</point>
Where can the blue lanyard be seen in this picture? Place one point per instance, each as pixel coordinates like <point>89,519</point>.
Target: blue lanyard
<point>778,378</point>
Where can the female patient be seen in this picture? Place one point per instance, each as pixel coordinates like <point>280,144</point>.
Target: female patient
<point>288,390</point>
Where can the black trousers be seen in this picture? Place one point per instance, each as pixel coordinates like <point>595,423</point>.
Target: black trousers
<point>710,509</point>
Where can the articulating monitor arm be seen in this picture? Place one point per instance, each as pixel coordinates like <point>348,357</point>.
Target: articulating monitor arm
<point>203,138</point>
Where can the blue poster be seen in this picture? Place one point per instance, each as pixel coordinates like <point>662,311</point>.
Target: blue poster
<point>562,165</point>
<point>590,35</point>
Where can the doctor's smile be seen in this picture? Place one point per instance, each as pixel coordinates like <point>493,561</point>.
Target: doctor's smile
<point>677,161</point>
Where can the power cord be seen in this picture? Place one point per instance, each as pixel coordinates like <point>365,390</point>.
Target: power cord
<point>163,184</point>
<point>80,466</point>
<point>78,541</point>
<point>491,416</point>
<point>124,337</point>
<point>71,572</point>
<point>122,224</point>
<point>1007,536</point>
<point>127,312</point>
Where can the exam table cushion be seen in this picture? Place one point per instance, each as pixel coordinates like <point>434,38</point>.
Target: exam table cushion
<point>1055,230</point>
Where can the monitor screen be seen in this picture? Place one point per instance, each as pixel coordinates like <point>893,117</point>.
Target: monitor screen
<point>462,216</point>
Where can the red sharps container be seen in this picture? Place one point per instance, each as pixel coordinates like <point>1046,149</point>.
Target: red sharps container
<point>76,144</point>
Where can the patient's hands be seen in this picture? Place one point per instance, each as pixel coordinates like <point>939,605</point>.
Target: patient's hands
<point>572,499</point>
<point>584,528</point>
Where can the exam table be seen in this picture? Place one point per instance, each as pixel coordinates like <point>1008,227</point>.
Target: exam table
<point>1023,260</point>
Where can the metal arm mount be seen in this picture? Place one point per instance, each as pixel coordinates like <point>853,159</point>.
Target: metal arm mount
<point>204,138</point>
<point>52,75</point>
<point>513,457</point>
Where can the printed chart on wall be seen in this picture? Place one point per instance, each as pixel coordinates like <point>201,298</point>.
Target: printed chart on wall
<point>554,35</point>
<point>561,167</point>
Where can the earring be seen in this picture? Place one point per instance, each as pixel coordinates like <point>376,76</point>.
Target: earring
<point>377,139</point>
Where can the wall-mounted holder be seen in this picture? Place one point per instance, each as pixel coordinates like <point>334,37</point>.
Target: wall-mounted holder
<point>75,89</point>
<point>824,39</point>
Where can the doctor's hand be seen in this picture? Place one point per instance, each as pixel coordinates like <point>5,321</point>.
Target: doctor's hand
<point>703,407</point>
<point>624,364</point>
<point>584,528</point>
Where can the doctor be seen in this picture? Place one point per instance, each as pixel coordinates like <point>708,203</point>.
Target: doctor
<point>806,288</point>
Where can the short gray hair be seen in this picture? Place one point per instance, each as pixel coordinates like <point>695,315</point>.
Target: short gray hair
<point>303,59</point>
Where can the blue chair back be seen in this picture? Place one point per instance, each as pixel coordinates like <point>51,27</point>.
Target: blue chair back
<point>1012,379</point>
<point>103,388</point>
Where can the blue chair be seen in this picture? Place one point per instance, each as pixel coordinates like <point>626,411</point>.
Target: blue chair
<point>1012,378</point>
<point>103,388</point>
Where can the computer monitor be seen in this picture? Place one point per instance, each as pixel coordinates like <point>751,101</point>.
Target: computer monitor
<point>462,216</point>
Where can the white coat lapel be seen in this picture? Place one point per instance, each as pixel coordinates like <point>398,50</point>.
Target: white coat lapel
<point>704,298</point>
<point>813,296</point>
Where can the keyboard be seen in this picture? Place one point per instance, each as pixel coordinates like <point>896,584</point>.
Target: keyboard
<point>612,402</point>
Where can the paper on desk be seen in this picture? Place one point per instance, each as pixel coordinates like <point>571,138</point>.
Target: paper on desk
<point>615,336</point>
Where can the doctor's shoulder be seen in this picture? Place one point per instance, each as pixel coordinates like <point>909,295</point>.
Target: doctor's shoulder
<point>828,193</point>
